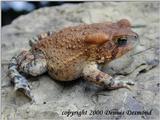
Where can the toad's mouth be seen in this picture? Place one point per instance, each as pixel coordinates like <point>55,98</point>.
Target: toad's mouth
<point>140,51</point>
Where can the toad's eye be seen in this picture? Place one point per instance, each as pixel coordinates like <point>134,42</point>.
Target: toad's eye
<point>121,41</point>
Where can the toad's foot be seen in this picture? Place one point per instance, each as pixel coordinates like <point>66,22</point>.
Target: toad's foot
<point>118,83</point>
<point>22,85</point>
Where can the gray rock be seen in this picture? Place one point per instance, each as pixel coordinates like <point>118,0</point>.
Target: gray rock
<point>54,98</point>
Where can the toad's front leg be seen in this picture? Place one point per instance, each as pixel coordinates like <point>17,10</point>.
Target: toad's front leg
<point>93,74</point>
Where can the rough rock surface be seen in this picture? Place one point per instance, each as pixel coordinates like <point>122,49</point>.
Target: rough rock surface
<point>52,97</point>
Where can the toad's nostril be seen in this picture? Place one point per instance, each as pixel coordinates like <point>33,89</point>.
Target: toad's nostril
<point>136,36</point>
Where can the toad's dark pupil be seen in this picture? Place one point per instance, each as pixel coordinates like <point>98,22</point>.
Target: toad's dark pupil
<point>121,41</point>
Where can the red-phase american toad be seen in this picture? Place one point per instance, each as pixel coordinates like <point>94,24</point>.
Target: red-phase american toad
<point>75,52</point>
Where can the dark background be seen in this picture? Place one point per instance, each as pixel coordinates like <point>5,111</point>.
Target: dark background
<point>11,10</point>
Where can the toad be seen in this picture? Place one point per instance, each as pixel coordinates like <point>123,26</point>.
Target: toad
<point>75,52</point>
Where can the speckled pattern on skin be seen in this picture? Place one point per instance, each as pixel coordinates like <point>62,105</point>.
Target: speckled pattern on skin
<point>76,51</point>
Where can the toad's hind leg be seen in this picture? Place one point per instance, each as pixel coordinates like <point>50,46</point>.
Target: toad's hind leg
<point>39,37</point>
<point>32,63</point>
